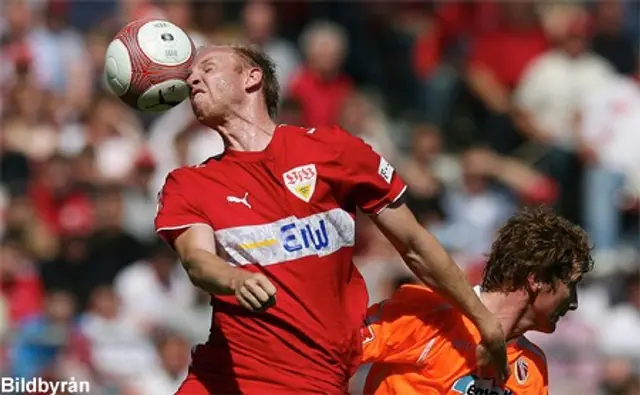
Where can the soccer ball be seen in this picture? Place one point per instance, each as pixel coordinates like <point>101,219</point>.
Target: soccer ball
<point>147,62</point>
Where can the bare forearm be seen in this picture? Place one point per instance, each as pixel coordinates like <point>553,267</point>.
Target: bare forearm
<point>433,266</point>
<point>209,272</point>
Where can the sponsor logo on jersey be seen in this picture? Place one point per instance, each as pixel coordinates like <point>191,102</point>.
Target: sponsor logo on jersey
<point>385,170</point>
<point>521,368</point>
<point>301,181</point>
<point>296,236</point>
<point>471,385</point>
<point>288,239</point>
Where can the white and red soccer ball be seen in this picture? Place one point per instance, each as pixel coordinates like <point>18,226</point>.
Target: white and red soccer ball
<point>147,64</point>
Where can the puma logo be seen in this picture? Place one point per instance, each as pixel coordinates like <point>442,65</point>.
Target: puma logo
<point>162,100</point>
<point>233,199</point>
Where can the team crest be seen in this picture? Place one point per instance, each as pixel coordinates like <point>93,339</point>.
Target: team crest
<point>301,181</point>
<point>521,370</point>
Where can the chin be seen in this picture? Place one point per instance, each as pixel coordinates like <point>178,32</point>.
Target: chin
<point>550,326</point>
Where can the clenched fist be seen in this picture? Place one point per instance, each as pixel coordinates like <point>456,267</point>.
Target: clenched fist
<point>253,290</point>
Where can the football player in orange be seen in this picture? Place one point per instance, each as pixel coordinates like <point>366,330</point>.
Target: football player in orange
<point>420,344</point>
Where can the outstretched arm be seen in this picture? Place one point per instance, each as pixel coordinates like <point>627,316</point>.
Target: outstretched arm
<point>425,256</point>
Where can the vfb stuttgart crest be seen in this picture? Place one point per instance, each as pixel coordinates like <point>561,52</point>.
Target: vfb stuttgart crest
<point>301,181</point>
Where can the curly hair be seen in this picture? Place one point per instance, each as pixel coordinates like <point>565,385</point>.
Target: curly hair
<point>539,242</point>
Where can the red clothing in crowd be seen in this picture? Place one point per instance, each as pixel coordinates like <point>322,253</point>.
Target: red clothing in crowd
<point>320,99</point>
<point>507,52</point>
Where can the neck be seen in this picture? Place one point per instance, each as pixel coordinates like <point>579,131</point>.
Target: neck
<point>249,131</point>
<point>509,309</point>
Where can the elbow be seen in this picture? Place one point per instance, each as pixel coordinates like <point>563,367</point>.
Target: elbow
<point>204,274</point>
<point>411,253</point>
<point>195,273</point>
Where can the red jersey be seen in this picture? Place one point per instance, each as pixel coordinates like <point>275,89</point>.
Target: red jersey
<point>288,212</point>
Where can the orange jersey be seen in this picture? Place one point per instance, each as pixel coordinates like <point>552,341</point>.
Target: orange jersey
<point>419,344</point>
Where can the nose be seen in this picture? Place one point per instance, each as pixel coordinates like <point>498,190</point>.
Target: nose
<point>573,304</point>
<point>193,80</point>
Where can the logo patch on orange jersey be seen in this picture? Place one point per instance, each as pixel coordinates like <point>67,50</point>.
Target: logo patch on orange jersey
<point>521,369</point>
<point>301,181</point>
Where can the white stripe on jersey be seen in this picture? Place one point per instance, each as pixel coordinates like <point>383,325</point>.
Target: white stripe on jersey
<point>287,239</point>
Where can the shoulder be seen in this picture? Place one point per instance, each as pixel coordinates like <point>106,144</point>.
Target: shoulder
<point>415,300</point>
<point>532,351</point>
<point>318,133</point>
<point>184,176</point>
<point>326,138</point>
<point>545,62</point>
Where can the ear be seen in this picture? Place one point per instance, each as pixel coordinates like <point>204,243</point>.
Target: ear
<point>253,79</point>
<point>533,285</point>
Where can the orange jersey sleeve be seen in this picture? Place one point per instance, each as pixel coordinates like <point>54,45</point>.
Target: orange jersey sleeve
<point>529,374</point>
<point>398,330</point>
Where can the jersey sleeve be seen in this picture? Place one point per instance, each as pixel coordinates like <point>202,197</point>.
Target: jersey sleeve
<point>177,208</point>
<point>366,177</point>
<point>393,333</point>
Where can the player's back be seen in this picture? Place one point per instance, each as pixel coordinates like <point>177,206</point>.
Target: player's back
<point>288,212</point>
<point>420,344</point>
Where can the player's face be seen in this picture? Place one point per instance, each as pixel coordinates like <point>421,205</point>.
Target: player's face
<point>552,303</point>
<point>215,83</point>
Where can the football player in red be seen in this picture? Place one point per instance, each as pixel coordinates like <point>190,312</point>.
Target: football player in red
<point>268,227</point>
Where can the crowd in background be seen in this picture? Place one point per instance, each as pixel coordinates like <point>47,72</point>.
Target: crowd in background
<point>481,106</point>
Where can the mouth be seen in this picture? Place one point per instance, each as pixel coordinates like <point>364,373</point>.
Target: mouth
<point>196,91</point>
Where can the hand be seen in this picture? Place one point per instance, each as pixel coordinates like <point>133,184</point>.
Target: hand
<point>253,290</point>
<point>492,350</point>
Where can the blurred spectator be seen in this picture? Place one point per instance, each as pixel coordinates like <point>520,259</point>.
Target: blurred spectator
<point>609,140</point>
<point>473,209</point>
<point>56,199</point>
<point>617,333</point>
<point>28,129</point>
<point>20,285</point>
<point>549,97</point>
<point>155,289</point>
<point>611,40</point>
<point>179,12</point>
<point>361,117</point>
<point>173,352</point>
<point>496,63</point>
<point>120,350</point>
<point>140,199</point>
<point>618,378</point>
<point>550,92</point>
<point>290,112</point>
<point>439,50</point>
<point>259,23</point>
<point>321,86</point>
<point>28,227</point>
<point>422,171</point>
<point>194,321</point>
<point>111,248</point>
<point>114,134</point>
<point>40,340</point>
<point>490,188</point>
<point>71,270</point>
